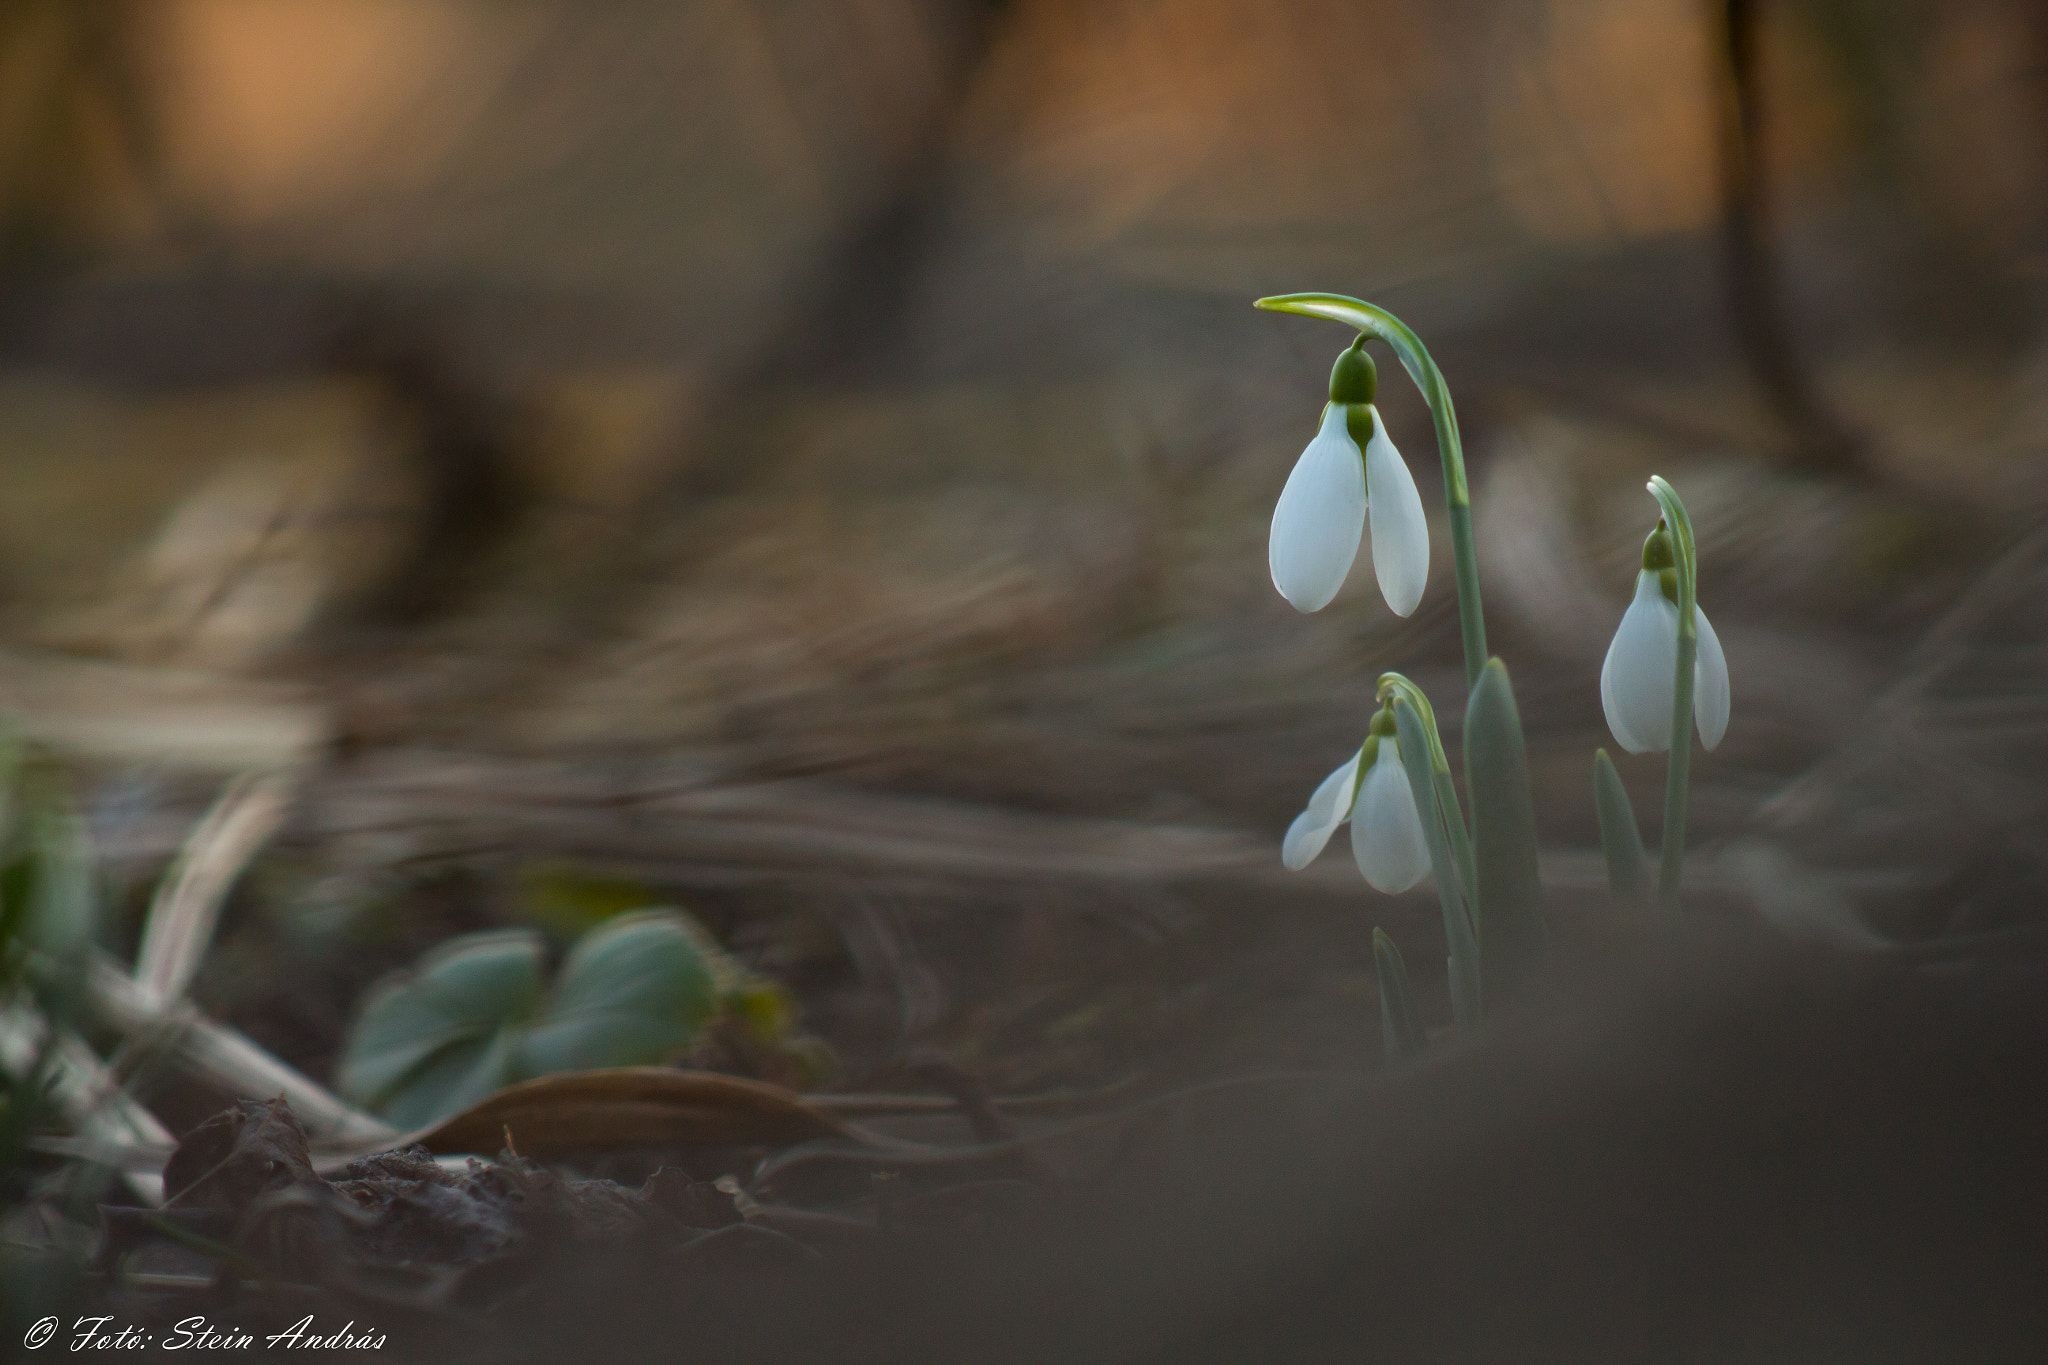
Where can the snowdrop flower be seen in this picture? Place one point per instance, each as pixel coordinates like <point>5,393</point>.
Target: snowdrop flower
<point>1638,679</point>
<point>1372,792</point>
<point>1323,509</point>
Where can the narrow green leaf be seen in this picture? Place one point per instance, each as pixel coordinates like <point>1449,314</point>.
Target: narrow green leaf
<point>1400,1026</point>
<point>1460,929</point>
<point>53,915</point>
<point>1511,927</point>
<point>1461,838</point>
<point>60,908</point>
<point>1462,988</point>
<point>1628,866</point>
<point>1678,766</point>
<point>13,757</point>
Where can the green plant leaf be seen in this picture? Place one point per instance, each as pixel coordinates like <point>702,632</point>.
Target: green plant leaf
<point>1628,866</point>
<point>13,761</point>
<point>58,910</point>
<point>1678,765</point>
<point>1512,935</point>
<point>1400,1025</point>
<point>633,992</point>
<point>454,1078</point>
<point>52,914</point>
<point>1459,931</point>
<point>474,1016</point>
<point>455,1000</point>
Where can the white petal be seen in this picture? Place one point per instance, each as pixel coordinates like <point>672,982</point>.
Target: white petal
<point>1636,681</point>
<point>1320,517</point>
<point>1400,531</point>
<point>1386,829</point>
<point>1326,810</point>
<point>1710,685</point>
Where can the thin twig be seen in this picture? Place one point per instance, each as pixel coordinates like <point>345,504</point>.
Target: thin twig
<point>223,1055</point>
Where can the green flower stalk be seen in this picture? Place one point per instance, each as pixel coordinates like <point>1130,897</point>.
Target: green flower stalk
<point>1394,688</point>
<point>1429,778</point>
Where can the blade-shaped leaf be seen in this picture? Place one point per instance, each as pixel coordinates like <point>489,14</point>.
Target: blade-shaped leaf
<point>59,905</point>
<point>1628,866</point>
<point>1511,928</point>
<point>1459,929</point>
<point>1400,1026</point>
<point>12,756</point>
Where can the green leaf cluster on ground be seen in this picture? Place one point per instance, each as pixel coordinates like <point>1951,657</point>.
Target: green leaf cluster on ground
<point>478,1013</point>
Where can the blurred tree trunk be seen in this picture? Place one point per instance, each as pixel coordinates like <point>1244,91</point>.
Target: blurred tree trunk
<point>1822,441</point>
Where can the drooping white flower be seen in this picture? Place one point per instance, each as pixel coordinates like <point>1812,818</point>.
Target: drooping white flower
<point>1372,792</point>
<point>1322,513</point>
<point>1639,677</point>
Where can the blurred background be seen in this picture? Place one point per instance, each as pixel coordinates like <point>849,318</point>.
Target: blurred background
<point>810,461</point>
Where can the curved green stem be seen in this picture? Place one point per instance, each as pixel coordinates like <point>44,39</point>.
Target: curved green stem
<point>1378,322</point>
<point>1460,915</point>
<point>1395,685</point>
<point>1678,772</point>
